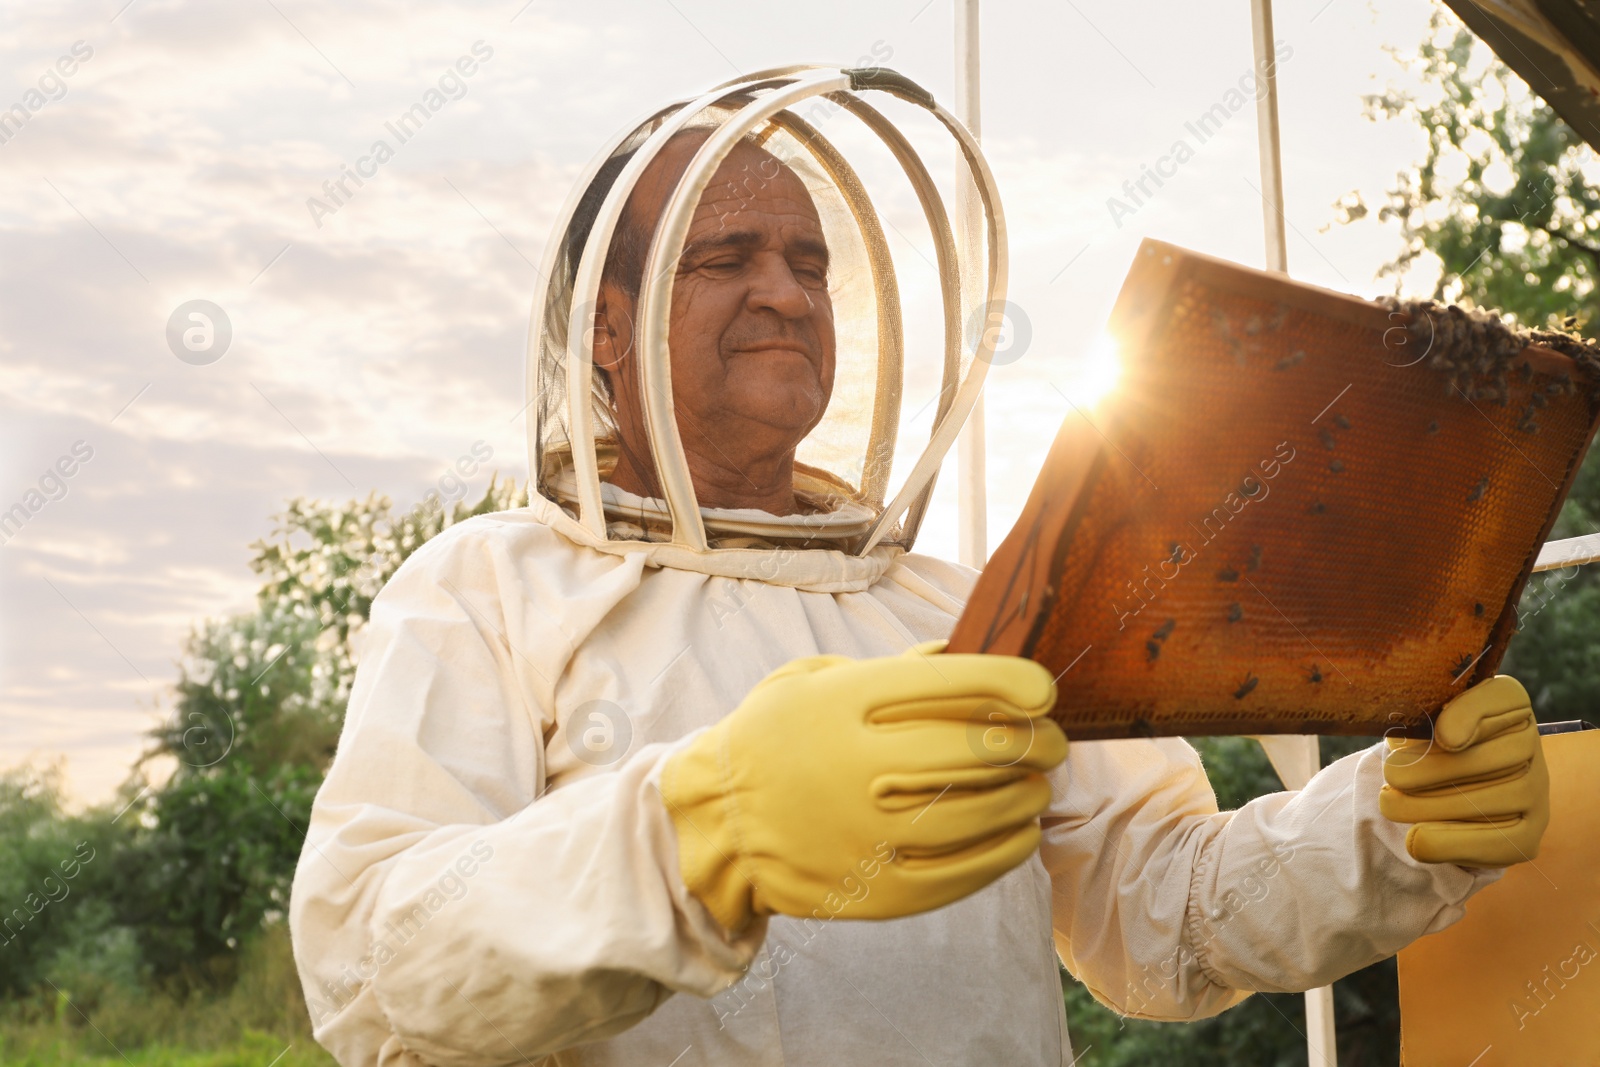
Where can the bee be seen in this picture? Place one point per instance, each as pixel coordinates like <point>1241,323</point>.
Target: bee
<point>1318,507</point>
<point>1476,492</point>
<point>1315,677</point>
<point>1329,442</point>
<point>1227,574</point>
<point>1166,630</point>
<point>1175,553</point>
<point>1255,559</point>
<point>1433,427</point>
<point>1477,610</point>
<point>1224,329</point>
<point>1502,388</point>
<point>1153,650</point>
<point>1235,612</point>
<point>1290,360</point>
<point>1342,422</point>
<point>1570,322</point>
<point>1245,687</point>
<point>1252,325</point>
<point>1461,666</point>
<point>1525,371</point>
<point>1336,467</point>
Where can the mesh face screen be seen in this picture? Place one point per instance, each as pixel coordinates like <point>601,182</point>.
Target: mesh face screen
<point>1292,522</point>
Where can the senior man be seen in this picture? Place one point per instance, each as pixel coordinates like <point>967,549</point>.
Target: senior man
<point>800,855</point>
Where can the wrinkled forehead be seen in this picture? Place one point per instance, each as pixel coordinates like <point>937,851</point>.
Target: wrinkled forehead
<point>750,180</point>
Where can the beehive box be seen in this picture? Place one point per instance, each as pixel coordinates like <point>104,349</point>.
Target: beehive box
<point>1302,512</point>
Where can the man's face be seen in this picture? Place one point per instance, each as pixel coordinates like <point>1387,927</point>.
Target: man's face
<point>751,324</point>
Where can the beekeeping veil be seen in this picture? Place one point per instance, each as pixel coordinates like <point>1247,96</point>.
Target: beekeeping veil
<point>853,496</point>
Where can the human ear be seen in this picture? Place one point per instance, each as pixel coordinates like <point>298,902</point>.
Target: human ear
<point>612,327</point>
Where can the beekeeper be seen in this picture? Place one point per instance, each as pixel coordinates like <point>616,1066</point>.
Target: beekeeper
<point>668,767</point>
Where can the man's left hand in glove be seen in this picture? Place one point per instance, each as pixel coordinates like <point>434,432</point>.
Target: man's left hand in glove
<point>1477,793</point>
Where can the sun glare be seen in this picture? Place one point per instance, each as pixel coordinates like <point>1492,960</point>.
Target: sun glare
<point>1093,374</point>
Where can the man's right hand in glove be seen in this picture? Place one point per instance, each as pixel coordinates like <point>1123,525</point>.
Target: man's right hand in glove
<point>830,762</point>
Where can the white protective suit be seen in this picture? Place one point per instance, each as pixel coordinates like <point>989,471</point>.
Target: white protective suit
<point>472,892</point>
<point>484,884</point>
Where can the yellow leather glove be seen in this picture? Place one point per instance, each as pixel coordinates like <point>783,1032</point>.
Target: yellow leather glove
<point>892,785</point>
<point>1478,792</point>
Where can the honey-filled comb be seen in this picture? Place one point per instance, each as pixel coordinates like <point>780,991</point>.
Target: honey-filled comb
<point>1300,512</point>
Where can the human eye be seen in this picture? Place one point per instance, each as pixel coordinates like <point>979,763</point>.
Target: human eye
<point>810,273</point>
<point>721,266</point>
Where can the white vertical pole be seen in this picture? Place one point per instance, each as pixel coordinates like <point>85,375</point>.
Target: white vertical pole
<point>1267,132</point>
<point>973,525</point>
<point>1295,759</point>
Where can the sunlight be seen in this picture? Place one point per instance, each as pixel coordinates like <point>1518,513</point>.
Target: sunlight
<point>1094,374</point>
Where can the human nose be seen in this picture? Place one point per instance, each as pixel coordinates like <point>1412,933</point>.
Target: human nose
<point>774,287</point>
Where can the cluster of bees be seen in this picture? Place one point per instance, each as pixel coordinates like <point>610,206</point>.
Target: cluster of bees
<point>1477,351</point>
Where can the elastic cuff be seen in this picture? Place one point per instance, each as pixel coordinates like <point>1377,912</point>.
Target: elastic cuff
<point>692,786</point>
<point>1195,937</point>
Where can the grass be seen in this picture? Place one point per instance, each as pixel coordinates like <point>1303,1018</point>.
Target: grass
<point>260,1021</point>
<point>252,1049</point>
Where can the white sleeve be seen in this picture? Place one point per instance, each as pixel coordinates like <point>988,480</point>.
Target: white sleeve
<point>447,909</point>
<point>1167,909</point>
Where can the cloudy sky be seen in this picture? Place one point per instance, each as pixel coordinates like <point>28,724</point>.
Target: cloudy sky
<point>374,345</point>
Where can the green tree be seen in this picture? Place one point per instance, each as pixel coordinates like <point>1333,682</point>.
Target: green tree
<point>259,703</point>
<point>1501,201</point>
<point>54,879</point>
<point>1500,198</point>
<point>158,920</point>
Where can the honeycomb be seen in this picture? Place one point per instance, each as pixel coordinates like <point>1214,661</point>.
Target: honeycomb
<point>1310,514</point>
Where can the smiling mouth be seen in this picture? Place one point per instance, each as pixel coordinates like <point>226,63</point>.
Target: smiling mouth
<point>768,349</point>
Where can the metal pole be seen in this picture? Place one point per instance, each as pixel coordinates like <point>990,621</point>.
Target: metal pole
<point>1267,131</point>
<point>1295,759</point>
<point>972,478</point>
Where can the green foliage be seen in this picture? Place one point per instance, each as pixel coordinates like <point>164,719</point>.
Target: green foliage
<point>325,562</point>
<point>255,689</point>
<point>1238,768</point>
<point>259,702</point>
<point>1266,1028</point>
<point>259,1017</point>
<point>1556,652</point>
<point>269,688</point>
<point>1500,197</point>
<point>54,878</point>
<point>216,862</point>
<point>251,1050</point>
<point>163,920</point>
<point>1502,200</point>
